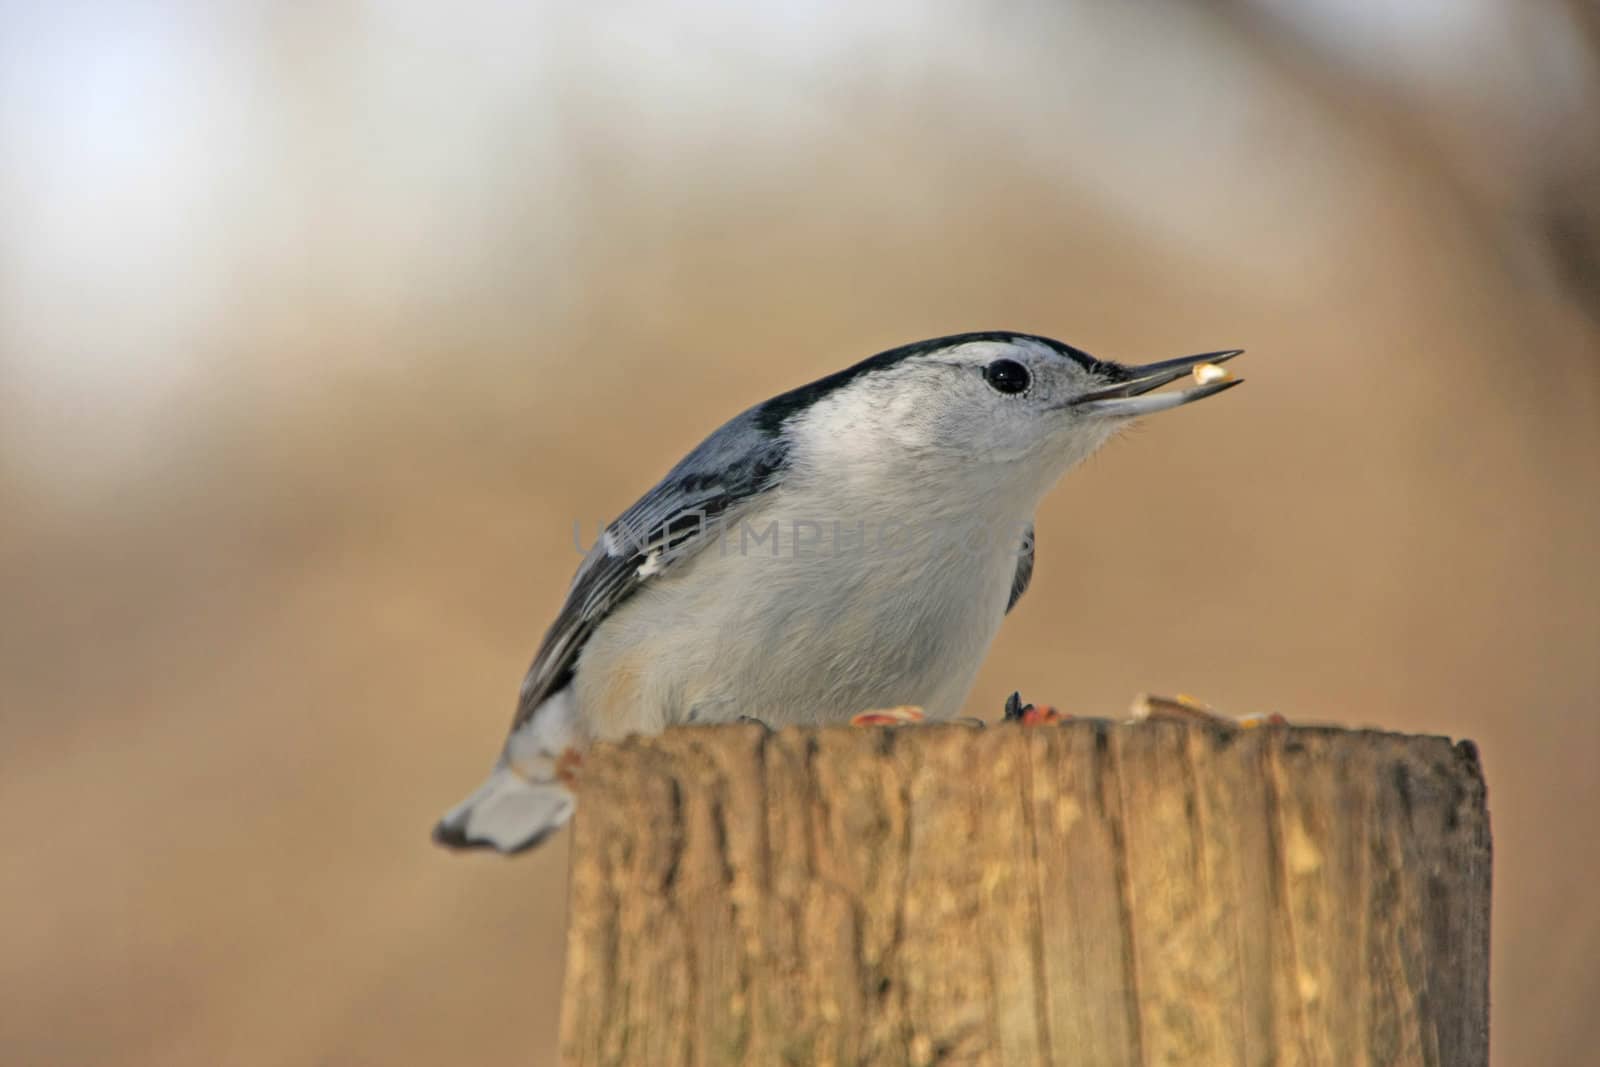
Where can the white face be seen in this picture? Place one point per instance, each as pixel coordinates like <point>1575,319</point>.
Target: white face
<point>999,402</point>
<point>1015,412</point>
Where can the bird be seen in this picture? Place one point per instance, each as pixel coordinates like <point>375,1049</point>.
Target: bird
<point>851,544</point>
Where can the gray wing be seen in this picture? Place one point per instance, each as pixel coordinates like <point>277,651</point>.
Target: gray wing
<point>1024,574</point>
<point>668,524</point>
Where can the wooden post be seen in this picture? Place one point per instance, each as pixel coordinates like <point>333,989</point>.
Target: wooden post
<point>1084,894</point>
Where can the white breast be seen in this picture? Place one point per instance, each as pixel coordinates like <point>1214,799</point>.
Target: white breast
<point>801,613</point>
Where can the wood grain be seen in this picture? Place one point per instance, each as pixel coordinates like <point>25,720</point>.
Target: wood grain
<point>1084,894</point>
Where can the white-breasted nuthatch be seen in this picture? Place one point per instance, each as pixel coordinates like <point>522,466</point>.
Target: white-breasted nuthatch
<point>848,545</point>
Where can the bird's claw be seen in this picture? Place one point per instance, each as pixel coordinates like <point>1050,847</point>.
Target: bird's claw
<point>568,764</point>
<point>1030,714</point>
<point>901,716</point>
<point>751,719</point>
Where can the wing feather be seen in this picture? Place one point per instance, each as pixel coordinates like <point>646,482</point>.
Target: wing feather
<point>667,525</point>
<point>1024,572</point>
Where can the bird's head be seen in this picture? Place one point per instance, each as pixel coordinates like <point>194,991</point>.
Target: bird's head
<point>1006,407</point>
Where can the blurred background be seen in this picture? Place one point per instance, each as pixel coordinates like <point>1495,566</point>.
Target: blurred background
<point>321,324</point>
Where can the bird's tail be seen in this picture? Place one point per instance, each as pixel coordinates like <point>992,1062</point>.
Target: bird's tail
<point>508,813</point>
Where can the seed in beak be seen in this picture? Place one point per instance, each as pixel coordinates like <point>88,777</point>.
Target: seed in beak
<point>1206,373</point>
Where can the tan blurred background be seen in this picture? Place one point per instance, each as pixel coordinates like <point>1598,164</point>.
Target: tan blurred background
<point>321,324</point>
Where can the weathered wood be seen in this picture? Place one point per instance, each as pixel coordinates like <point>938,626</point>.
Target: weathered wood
<point>1084,894</point>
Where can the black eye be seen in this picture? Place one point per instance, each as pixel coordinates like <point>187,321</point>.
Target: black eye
<point>1007,376</point>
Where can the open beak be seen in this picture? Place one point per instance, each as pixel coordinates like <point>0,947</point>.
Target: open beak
<point>1127,397</point>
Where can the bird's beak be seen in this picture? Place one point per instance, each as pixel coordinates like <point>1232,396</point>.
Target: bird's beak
<point>1126,397</point>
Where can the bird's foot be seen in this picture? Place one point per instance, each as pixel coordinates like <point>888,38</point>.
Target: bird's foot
<point>1030,714</point>
<point>747,719</point>
<point>1185,708</point>
<point>901,716</point>
<point>568,764</point>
